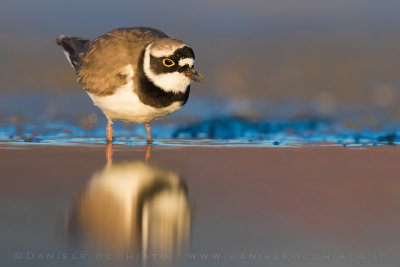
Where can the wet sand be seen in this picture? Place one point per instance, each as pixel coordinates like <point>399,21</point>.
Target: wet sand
<point>319,205</point>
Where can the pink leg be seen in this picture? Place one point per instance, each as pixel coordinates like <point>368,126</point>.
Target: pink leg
<point>109,132</point>
<point>148,130</point>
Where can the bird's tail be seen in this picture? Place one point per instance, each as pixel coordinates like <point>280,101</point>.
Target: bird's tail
<point>74,48</point>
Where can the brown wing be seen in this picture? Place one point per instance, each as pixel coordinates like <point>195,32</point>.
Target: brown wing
<point>102,68</point>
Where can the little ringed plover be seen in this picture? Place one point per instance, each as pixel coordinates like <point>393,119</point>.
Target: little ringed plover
<point>133,74</point>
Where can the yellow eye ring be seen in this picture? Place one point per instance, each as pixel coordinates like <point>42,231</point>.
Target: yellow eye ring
<point>168,62</point>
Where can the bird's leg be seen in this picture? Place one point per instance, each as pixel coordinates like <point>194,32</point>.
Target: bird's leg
<point>148,153</point>
<point>109,153</point>
<point>148,130</point>
<point>109,132</point>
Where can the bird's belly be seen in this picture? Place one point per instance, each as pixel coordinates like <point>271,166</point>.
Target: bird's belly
<point>125,105</point>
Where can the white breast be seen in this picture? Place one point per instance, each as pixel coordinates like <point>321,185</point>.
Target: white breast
<point>125,105</point>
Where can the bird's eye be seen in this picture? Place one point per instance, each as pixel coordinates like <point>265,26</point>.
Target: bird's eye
<point>168,62</point>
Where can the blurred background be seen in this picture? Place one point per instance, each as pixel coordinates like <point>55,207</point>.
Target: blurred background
<point>274,59</point>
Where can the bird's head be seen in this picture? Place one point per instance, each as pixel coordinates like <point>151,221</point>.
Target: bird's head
<point>169,64</point>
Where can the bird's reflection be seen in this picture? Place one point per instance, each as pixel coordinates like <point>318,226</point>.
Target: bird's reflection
<point>133,206</point>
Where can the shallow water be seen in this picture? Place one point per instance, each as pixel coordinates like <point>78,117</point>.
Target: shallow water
<point>196,206</point>
<point>218,190</point>
<point>222,131</point>
<point>52,119</point>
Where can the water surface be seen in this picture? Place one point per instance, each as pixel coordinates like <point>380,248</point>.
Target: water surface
<point>196,206</point>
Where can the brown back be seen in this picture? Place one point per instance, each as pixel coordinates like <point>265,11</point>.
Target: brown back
<point>102,69</point>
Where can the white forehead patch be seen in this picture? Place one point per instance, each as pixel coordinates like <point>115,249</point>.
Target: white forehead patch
<point>186,61</point>
<point>165,51</point>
